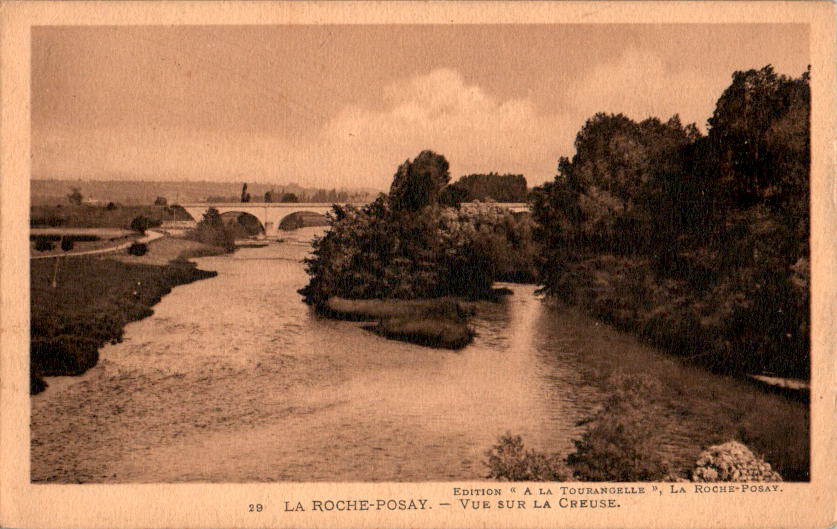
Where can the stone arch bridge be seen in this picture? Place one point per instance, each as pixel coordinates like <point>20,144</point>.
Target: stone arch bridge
<point>271,214</point>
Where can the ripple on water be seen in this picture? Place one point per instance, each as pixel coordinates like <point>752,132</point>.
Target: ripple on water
<point>235,379</point>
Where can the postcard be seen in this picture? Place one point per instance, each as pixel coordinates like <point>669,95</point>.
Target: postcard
<point>417,264</point>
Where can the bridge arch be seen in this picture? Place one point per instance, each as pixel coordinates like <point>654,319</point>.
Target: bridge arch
<point>271,214</point>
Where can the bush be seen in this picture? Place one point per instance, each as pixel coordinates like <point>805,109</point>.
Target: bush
<point>67,244</point>
<point>43,245</point>
<point>732,461</point>
<point>622,442</point>
<point>138,249</point>
<point>213,231</point>
<point>509,460</point>
<point>143,223</point>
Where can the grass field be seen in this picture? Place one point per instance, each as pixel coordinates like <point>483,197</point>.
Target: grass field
<point>94,298</point>
<point>100,217</point>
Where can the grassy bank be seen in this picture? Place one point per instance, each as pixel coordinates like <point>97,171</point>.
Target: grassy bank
<point>441,322</point>
<point>679,408</point>
<point>92,302</point>
<point>88,216</point>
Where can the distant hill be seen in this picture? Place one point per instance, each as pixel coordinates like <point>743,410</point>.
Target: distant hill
<point>52,192</point>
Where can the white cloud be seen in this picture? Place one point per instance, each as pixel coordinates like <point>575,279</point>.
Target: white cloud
<point>474,130</point>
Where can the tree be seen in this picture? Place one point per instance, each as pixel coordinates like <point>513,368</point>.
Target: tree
<point>161,201</point>
<point>419,183</point>
<point>142,223</point>
<point>289,197</point>
<point>75,197</point>
<point>66,244</point>
<point>245,196</point>
<point>212,218</point>
<point>493,186</point>
<point>453,195</point>
<point>268,196</point>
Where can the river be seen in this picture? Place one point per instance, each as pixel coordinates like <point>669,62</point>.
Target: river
<point>234,379</point>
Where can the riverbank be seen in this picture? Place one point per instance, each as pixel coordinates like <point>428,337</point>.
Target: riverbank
<point>441,322</point>
<point>94,298</point>
<point>710,324</point>
<point>683,408</point>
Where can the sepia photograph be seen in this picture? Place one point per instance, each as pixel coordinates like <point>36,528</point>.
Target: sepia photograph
<point>303,261</point>
<point>420,253</point>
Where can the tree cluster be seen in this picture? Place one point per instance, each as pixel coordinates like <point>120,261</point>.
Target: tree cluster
<point>491,186</point>
<point>701,235</point>
<point>408,245</point>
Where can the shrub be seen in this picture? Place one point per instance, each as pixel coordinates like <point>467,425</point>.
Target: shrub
<point>43,245</point>
<point>143,223</point>
<point>67,244</point>
<point>622,442</point>
<point>213,231</point>
<point>509,460</point>
<point>732,461</point>
<point>138,249</point>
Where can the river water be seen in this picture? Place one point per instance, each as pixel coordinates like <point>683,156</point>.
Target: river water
<point>235,379</point>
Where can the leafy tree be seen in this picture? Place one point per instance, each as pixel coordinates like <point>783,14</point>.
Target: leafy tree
<point>453,195</point>
<point>66,244</point>
<point>268,196</point>
<point>142,223</point>
<point>419,183</point>
<point>718,225</point>
<point>245,196</point>
<point>213,231</point>
<point>493,186</point>
<point>75,197</point>
<point>289,197</point>
<point>161,201</point>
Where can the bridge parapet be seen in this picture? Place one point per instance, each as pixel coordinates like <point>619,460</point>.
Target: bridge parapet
<point>271,214</point>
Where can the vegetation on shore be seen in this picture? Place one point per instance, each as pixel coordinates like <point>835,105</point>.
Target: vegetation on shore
<point>698,244</point>
<point>213,231</point>
<point>407,245</point>
<point>94,298</point>
<point>440,322</point>
<point>631,438</point>
<point>88,216</point>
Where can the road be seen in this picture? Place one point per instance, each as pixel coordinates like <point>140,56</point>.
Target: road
<point>150,235</point>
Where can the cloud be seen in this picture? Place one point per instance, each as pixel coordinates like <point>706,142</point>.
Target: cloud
<point>640,84</point>
<point>475,131</point>
<point>363,145</point>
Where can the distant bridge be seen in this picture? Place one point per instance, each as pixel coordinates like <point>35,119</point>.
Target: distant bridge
<point>271,214</point>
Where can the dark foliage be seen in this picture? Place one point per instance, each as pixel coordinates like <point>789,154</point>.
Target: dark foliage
<point>43,245</point>
<point>93,301</point>
<point>493,186</point>
<point>143,223</point>
<point>417,249</point>
<point>138,249</point>
<point>418,183</point>
<point>212,230</point>
<point>66,244</point>
<point>703,240</point>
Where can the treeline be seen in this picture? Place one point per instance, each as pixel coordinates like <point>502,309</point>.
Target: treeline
<point>407,244</point>
<point>700,243</point>
<point>491,186</point>
<point>321,196</point>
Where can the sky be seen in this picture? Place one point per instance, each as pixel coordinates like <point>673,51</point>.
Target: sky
<point>343,106</point>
